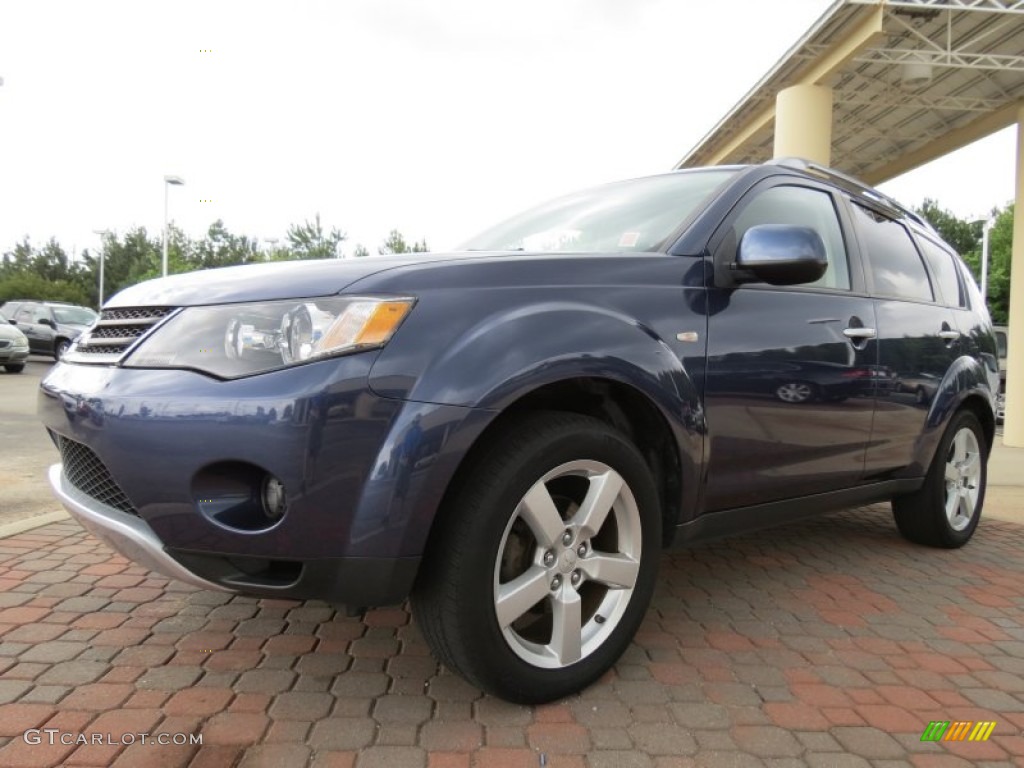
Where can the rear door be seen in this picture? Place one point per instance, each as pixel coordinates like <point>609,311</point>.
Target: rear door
<point>788,388</point>
<point>918,340</point>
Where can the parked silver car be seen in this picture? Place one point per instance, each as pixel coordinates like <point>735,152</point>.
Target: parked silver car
<point>50,326</point>
<point>13,348</point>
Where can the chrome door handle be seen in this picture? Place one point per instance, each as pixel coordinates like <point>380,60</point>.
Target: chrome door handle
<point>949,335</point>
<point>859,333</point>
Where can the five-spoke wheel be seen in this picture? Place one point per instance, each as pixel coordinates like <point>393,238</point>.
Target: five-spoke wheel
<point>567,564</point>
<point>945,510</point>
<point>543,564</point>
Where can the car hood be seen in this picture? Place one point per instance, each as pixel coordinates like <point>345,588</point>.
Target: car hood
<point>8,331</point>
<point>266,282</point>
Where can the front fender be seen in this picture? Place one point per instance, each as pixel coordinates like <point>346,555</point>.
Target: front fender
<point>516,350</point>
<point>501,359</point>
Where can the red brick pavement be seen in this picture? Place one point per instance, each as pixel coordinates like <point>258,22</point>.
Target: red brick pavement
<point>832,643</point>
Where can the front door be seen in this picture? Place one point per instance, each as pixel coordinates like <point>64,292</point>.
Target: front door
<point>789,380</point>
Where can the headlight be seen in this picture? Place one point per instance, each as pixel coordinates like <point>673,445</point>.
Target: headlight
<point>242,339</point>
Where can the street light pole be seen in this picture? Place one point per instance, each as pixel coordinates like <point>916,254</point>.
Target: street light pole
<point>985,229</point>
<point>103,257</point>
<point>168,181</point>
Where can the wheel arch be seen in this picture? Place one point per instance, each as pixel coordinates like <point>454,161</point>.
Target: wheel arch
<point>965,387</point>
<point>615,403</point>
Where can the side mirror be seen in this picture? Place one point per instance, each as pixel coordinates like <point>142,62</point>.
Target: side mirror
<point>12,321</point>
<point>47,321</point>
<point>781,254</point>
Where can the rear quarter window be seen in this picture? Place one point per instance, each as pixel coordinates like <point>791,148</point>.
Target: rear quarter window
<point>944,269</point>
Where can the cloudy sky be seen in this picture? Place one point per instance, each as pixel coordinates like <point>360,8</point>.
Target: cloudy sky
<point>435,118</point>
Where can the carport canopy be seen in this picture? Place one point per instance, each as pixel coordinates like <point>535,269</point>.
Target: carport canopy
<point>876,88</point>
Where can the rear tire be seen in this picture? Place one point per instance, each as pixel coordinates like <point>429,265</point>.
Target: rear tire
<point>14,367</point>
<point>945,510</point>
<point>543,562</point>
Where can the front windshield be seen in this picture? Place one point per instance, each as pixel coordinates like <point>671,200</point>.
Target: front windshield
<point>74,315</point>
<point>636,215</point>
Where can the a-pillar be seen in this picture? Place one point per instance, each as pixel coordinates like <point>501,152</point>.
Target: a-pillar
<point>1013,430</point>
<point>803,123</point>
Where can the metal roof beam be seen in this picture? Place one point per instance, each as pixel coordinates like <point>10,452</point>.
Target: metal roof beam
<point>944,144</point>
<point>983,61</point>
<point>986,6</point>
<point>899,99</point>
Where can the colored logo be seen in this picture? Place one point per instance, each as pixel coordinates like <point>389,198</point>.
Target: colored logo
<point>958,730</point>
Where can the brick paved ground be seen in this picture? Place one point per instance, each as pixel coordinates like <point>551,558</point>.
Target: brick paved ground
<point>828,644</point>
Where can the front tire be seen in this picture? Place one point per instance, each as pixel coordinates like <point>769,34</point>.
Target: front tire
<point>14,367</point>
<point>544,561</point>
<point>60,346</point>
<point>945,510</point>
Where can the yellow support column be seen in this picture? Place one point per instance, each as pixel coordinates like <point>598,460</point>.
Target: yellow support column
<point>1013,430</point>
<point>803,123</point>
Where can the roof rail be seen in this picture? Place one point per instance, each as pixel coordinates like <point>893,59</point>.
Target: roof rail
<point>852,184</point>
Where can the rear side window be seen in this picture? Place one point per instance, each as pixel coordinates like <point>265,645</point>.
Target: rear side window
<point>943,267</point>
<point>896,266</point>
<point>803,207</point>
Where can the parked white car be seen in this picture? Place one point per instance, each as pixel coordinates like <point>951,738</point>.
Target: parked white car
<point>1002,344</point>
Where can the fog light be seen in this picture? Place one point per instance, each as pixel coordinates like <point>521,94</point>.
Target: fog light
<point>274,501</point>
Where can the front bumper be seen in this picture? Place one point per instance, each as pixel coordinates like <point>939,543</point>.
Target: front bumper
<point>354,581</point>
<point>125,533</point>
<point>13,355</point>
<point>157,464</point>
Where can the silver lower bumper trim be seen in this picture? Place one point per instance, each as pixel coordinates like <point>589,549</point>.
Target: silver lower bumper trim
<point>127,534</point>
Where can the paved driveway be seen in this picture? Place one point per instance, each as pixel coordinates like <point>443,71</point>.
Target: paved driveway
<point>832,643</point>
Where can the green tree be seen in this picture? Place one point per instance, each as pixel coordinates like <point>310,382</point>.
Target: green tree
<point>29,285</point>
<point>396,244</point>
<point>309,241</point>
<point>360,251</point>
<point>966,237</point>
<point>220,248</point>
<point>17,260</point>
<point>1000,254</point>
<point>963,235</point>
<point>131,258</point>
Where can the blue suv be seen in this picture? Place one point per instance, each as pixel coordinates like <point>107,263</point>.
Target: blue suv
<point>511,433</point>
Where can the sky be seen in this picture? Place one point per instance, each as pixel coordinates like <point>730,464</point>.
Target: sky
<point>434,118</point>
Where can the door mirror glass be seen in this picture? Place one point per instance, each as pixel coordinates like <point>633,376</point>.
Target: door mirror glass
<point>782,254</point>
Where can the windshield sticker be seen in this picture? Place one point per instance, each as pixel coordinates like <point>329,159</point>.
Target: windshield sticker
<point>551,240</point>
<point>629,239</point>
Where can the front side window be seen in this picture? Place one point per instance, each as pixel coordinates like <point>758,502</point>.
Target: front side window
<point>803,207</point>
<point>895,265</point>
<point>628,216</point>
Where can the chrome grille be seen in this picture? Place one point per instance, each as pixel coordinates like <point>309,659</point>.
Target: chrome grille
<point>114,333</point>
<point>4,343</point>
<point>87,473</point>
